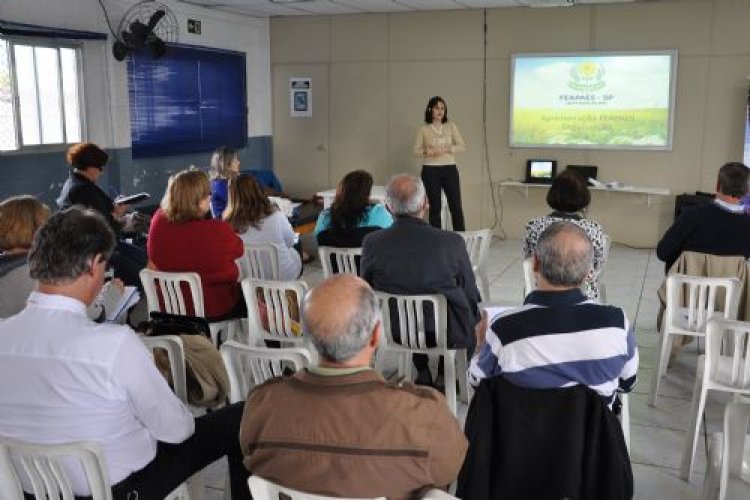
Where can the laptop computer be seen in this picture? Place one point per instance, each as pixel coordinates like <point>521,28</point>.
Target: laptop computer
<point>585,171</point>
<point>540,171</point>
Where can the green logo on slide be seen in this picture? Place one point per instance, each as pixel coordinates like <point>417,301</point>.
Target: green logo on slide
<point>587,77</point>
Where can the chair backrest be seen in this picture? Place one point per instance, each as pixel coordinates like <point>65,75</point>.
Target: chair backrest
<point>263,489</point>
<point>477,245</point>
<point>345,260</point>
<point>176,354</point>
<point>41,467</point>
<point>729,340</point>
<point>410,314</point>
<point>274,308</point>
<point>261,261</point>
<point>164,292</point>
<point>248,366</point>
<point>693,300</point>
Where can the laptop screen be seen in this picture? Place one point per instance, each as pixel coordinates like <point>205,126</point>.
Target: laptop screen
<point>540,171</point>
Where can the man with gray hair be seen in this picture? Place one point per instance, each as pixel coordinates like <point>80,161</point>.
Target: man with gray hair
<point>339,429</point>
<point>66,378</point>
<point>558,338</point>
<point>413,258</point>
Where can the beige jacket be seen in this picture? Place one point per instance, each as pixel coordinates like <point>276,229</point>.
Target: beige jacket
<point>207,379</point>
<point>352,435</point>
<point>711,266</point>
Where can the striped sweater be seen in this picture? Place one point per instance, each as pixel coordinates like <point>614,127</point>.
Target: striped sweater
<point>560,339</point>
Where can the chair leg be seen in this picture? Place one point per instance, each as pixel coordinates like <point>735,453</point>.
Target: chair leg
<point>625,419</point>
<point>485,281</point>
<point>463,383</point>
<point>697,408</point>
<point>450,381</point>
<point>713,470</point>
<point>656,376</point>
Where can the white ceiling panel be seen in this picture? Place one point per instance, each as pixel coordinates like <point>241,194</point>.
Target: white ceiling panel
<point>432,4</point>
<point>376,5</point>
<point>331,7</point>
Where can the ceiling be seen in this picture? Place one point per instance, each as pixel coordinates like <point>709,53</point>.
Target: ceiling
<point>272,8</point>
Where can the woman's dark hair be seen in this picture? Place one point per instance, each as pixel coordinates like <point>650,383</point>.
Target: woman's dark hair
<point>431,104</point>
<point>568,192</point>
<point>85,154</point>
<point>248,205</point>
<point>352,200</point>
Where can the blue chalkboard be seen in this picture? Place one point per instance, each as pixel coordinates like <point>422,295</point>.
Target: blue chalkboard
<point>191,100</point>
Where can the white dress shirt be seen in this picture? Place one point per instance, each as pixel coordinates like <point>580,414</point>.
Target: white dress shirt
<point>65,378</point>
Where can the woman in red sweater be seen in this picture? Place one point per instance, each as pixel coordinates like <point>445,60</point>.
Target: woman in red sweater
<point>181,239</point>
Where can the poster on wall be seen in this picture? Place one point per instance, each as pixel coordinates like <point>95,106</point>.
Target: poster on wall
<point>300,97</point>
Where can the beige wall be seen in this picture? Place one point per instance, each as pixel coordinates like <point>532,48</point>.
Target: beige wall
<point>372,75</point>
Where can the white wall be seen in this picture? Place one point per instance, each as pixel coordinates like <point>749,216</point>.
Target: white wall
<point>372,75</point>
<point>105,80</point>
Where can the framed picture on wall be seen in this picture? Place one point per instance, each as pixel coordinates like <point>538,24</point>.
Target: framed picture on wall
<point>300,94</point>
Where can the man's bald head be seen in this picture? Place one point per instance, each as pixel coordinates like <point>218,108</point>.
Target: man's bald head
<point>340,314</point>
<point>405,195</point>
<point>565,254</point>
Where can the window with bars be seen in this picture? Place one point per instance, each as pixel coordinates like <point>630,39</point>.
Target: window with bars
<point>40,94</point>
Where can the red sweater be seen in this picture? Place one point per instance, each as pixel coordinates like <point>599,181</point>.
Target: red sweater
<point>207,247</point>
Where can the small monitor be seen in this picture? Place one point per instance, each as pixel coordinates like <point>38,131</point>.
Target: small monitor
<point>585,171</point>
<point>540,171</point>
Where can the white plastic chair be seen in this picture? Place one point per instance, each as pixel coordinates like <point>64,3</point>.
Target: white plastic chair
<point>410,316</point>
<point>170,287</point>
<point>263,489</point>
<point>729,454</point>
<point>281,325</point>
<point>261,261</point>
<point>345,259</point>
<point>691,302</point>
<point>176,355</point>
<point>437,494</point>
<point>43,467</point>
<point>725,367</point>
<point>478,245</point>
<point>529,280</point>
<point>248,366</point>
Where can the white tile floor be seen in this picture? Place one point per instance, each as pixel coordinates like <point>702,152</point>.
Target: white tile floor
<point>632,277</point>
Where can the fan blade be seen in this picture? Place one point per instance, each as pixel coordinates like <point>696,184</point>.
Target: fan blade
<point>155,18</point>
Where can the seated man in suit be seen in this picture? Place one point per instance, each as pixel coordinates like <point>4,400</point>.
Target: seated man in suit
<point>558,338</point>
<point>413,258</point>
<point>339,429</point>
<point>719,228</point>
<point>66,378</point>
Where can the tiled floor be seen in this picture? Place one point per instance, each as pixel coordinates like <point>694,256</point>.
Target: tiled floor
<point>632,277</point>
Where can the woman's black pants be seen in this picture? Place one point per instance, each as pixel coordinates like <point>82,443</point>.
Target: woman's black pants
<point>445,178</point>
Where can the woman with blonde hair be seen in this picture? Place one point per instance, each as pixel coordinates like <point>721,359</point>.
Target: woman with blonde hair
<point>256,220</point>
<point>225,164</point>
<point>182,239</point>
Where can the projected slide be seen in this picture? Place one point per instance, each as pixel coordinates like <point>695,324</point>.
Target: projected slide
<point>590,100</point>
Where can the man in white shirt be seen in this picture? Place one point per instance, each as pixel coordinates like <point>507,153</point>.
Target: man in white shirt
<point>66,378</point>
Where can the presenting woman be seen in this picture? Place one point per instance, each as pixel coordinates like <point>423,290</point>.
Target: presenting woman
<point>437,142</point>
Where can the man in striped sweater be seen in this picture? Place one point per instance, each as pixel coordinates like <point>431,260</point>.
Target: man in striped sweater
<point>559,338</point>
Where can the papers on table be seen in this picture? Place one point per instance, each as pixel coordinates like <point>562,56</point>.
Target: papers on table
<point>129,298</point>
